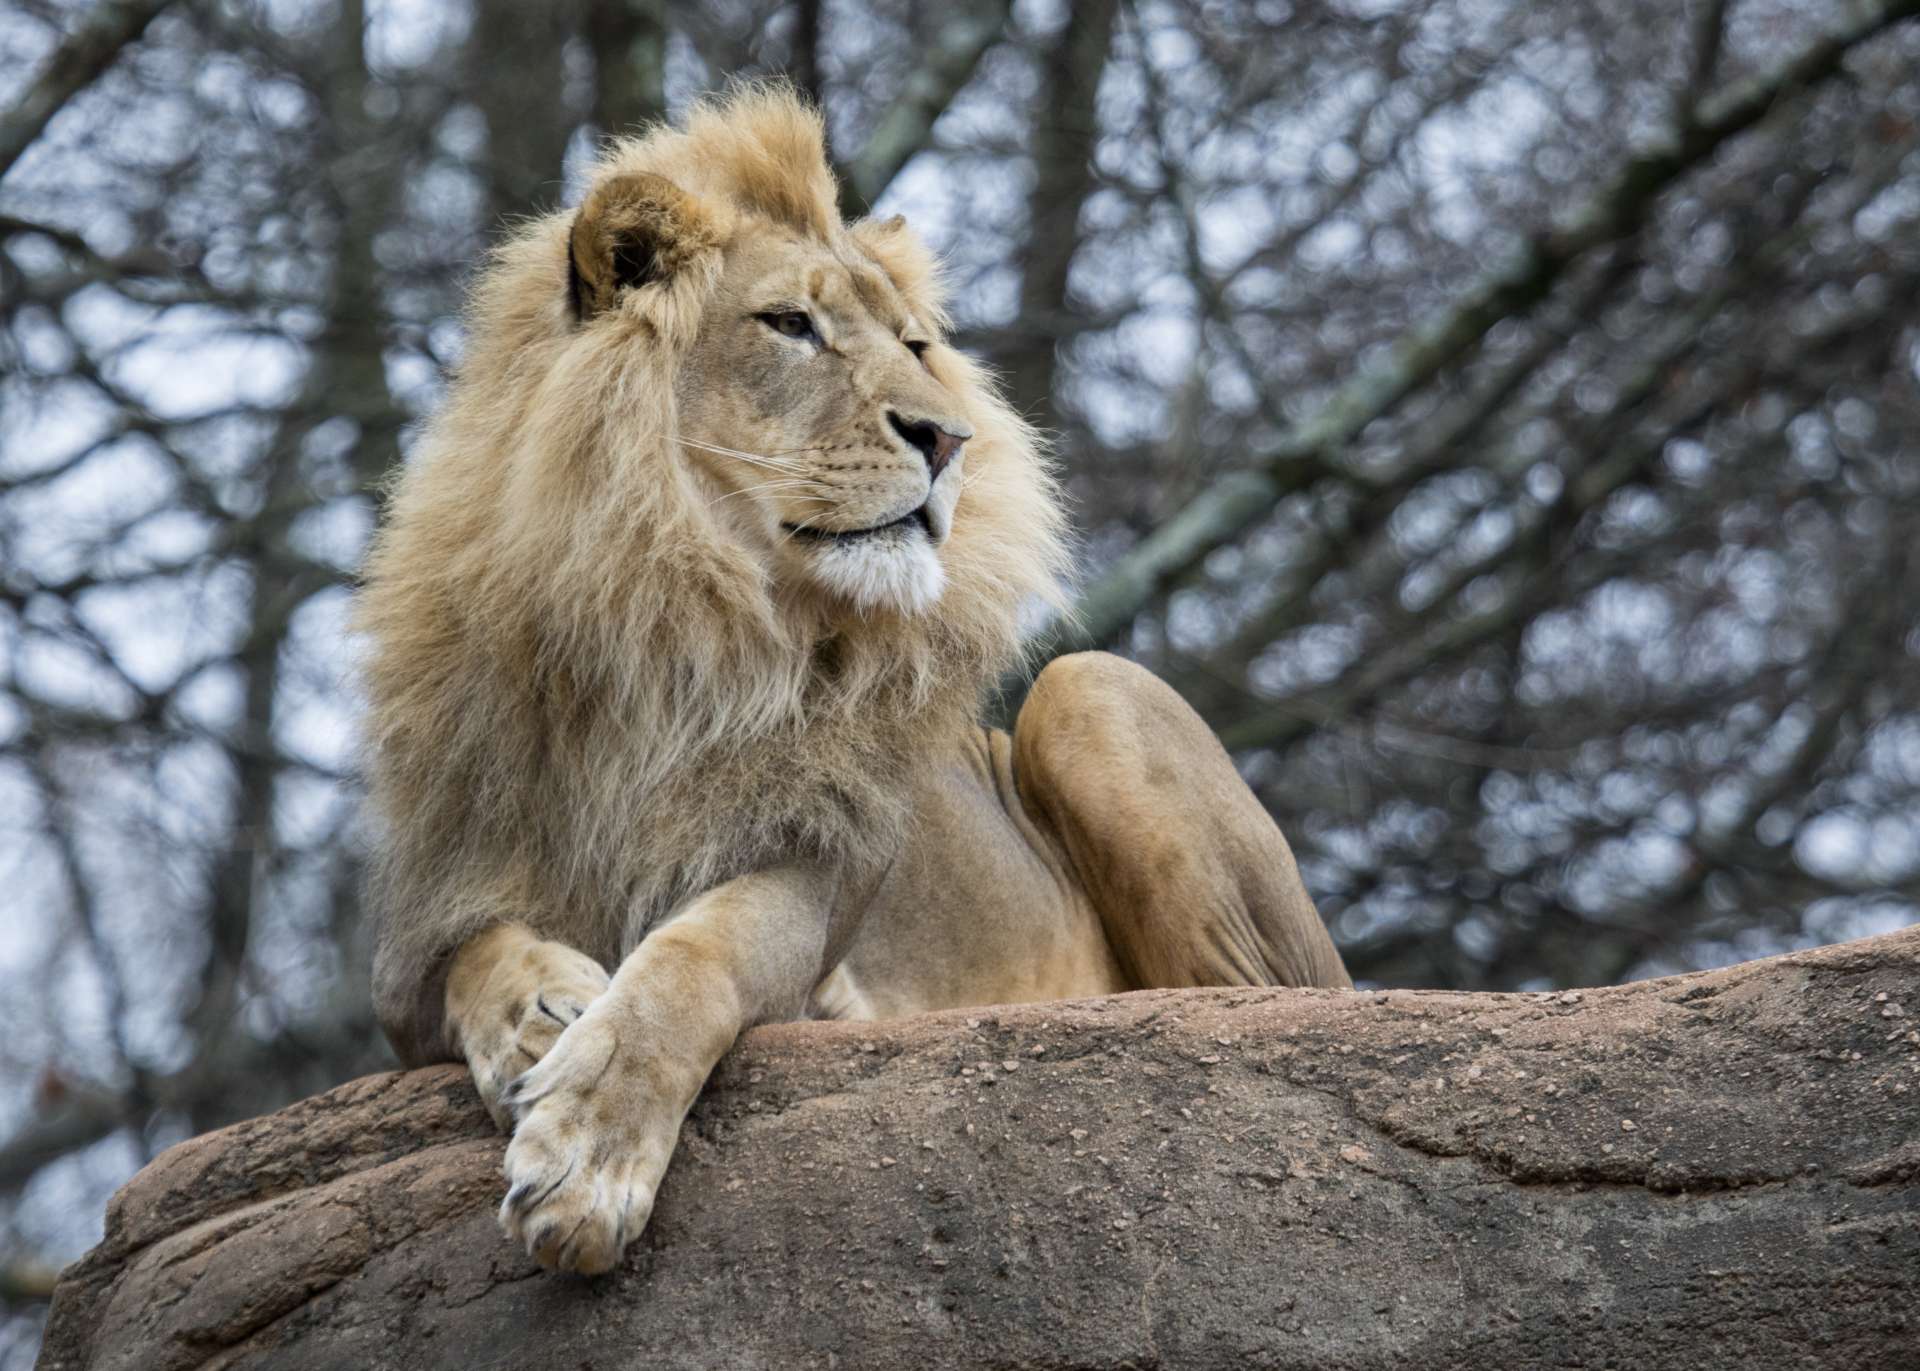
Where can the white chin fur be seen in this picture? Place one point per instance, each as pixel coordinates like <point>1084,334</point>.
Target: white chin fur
<point>892,572</point>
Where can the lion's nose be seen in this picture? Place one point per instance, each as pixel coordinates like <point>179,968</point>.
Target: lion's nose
<point>936,444</point>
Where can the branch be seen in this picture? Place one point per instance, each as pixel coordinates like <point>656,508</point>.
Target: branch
<point>1417,640</point>
<point>628,39</point>
<point>88,51</point>
<point>26,1282</point>
<point>84,1117</point>
<point>963,39</point>
<point>1709,35</point>
<point>246,1075</point>
<point>803,56</point>
<point>1234,503</point>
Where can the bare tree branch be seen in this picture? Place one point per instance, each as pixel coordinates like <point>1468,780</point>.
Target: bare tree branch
<point>963,39</point>
<point>88,51</point>
<point>803,62</point>
<point>528,122</point>
<point>1709,34</point>
<point>1238,500</point>
<point>1063,143</point>
<point>26,1282</point>
<point>629,43</point>
<point>246,1075</point>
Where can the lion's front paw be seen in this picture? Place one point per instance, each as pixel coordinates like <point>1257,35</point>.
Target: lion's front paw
<point>541,998</point>
<point>595,1127</point>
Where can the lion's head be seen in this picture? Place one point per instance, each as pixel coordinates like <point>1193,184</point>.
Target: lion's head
<point>712,527</point>
<point>710,323</point>
<point>814,405</point>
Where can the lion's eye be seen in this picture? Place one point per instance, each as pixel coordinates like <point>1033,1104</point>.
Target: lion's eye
<point>792,323</point>
<point>917,346</point>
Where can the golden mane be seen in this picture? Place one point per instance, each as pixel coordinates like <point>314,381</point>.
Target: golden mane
<point>586,703</point>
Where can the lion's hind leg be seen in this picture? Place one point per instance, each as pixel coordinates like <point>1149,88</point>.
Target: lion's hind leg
<point>1193,881</point>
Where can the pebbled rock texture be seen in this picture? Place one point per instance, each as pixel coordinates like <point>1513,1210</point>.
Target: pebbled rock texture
<point>1713,1170</point>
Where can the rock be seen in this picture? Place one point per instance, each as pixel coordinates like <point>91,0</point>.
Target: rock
<point>1762,1211</point>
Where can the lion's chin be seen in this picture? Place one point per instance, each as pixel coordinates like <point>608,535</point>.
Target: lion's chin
<point>896,570</point>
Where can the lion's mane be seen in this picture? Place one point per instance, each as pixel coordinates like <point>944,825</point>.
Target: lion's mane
<point>586,703</point>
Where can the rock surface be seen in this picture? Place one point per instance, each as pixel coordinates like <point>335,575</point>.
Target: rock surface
<point>1720,1169</point>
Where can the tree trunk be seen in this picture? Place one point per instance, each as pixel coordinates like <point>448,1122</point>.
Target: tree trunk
<point>1718,1169</point>
<point>1064,139</point>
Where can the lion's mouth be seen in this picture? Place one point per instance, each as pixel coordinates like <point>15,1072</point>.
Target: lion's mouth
<point>912,518</point>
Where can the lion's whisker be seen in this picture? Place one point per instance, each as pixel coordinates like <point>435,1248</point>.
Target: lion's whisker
<point>801,527</point>
<point>757,458</point>
<point>771,485</point>
<point>784,482</point>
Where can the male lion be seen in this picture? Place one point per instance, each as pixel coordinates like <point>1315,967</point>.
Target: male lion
<point>679,628</point>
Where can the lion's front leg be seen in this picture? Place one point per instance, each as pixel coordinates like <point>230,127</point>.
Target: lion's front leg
<point>596,1121</point>
<point>510,994</point>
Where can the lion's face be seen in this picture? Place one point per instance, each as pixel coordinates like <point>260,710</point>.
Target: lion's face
<point>812,407</point>
<point>722,318</point>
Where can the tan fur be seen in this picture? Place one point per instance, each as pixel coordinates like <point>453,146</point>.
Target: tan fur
<point>629,708</point>
<point>586,706</point>
<point>509,996</point>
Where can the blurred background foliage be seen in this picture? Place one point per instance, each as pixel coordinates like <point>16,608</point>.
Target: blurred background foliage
<point>1501,420</point>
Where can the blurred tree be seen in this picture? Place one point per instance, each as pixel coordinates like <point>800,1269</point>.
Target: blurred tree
<point>1499,420</point>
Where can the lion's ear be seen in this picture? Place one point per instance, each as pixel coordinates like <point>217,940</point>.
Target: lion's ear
<point>632,230</point>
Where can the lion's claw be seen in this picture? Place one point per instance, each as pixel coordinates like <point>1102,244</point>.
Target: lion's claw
<point>592,1137</point>
<point>568,1011</point>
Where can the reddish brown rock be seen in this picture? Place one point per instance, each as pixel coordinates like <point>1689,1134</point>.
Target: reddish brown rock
<point>1712,1170</point>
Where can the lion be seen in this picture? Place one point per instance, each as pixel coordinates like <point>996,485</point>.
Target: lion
<point>679,629</point>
